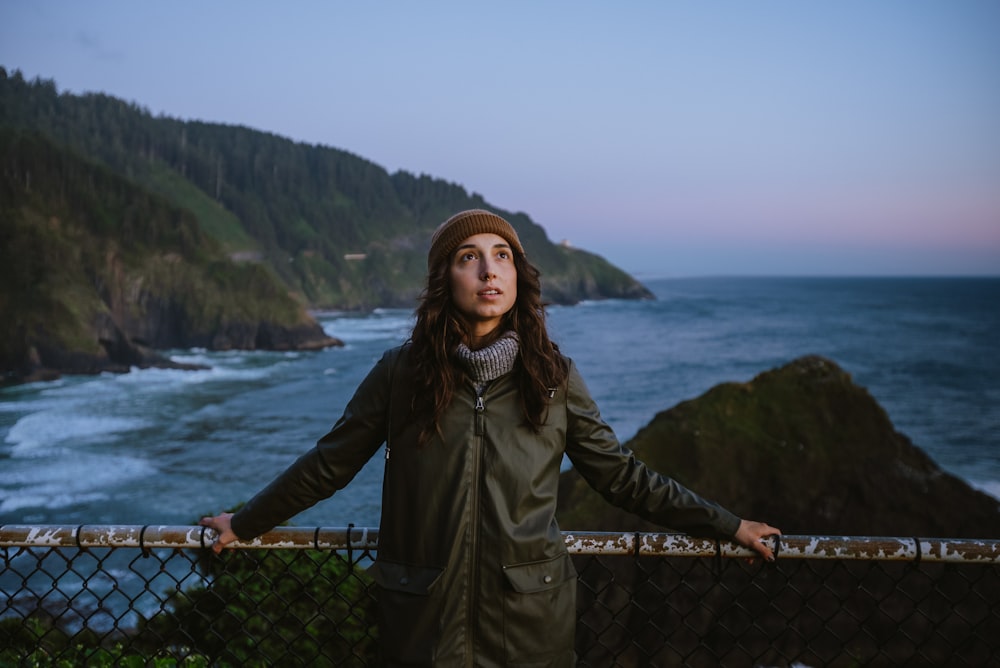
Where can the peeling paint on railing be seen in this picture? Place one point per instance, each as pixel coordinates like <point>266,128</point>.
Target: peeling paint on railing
<point>869,548</point>
<point>156,536</point>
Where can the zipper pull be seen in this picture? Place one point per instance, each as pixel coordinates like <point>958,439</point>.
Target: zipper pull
<point>480,409</point>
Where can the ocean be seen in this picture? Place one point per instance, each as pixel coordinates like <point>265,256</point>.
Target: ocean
<point>166,447</point>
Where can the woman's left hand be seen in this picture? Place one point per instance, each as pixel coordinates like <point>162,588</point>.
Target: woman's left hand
<point>221,524</point>
<point>751,534</point>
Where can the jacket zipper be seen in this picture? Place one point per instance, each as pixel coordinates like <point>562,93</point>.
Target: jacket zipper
<point>480,430</point>
<point>480,409</point>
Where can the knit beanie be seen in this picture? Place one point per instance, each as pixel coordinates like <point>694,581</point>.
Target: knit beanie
<point>465,224</point>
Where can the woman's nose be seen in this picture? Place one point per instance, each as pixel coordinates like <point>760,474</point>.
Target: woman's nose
<point>486,271</point>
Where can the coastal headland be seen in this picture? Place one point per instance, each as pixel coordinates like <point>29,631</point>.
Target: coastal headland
<point>125,234</point>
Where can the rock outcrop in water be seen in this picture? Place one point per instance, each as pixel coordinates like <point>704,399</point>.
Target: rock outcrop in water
<point>803,448</point>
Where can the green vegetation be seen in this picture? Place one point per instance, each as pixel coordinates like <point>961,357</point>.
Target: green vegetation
<point>300,207</point>
<point>39,645</point>
<point>213,218</point>
<point>269,607</point>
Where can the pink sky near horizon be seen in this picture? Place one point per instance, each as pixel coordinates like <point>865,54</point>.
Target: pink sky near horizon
<point>673,138</point>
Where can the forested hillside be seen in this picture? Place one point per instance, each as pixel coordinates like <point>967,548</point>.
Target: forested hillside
<point>122,233</point>
<point>338,230</point>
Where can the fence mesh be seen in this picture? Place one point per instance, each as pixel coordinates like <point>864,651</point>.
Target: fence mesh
<point>282,604</point>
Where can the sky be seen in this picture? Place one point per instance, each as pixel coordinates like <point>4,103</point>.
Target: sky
<point>673,138</point>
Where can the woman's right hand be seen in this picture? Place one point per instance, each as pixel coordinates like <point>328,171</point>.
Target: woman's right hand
<point>752,534</point>
<point>223,526</point>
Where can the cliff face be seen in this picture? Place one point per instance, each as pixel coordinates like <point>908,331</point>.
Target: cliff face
<point>804,449</point>
<point>97,273</point>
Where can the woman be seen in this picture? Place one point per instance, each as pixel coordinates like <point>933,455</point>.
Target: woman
<point>477,411</point>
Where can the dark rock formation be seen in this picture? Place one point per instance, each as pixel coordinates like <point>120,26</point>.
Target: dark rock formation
<point>803,448</point>
<point>118,351</point>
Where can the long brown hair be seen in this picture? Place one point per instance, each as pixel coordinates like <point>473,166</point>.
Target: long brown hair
<point>440,328</point>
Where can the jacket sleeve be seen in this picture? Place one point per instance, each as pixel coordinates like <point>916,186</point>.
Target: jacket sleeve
<point>336,459</point>
<point>624,481</point>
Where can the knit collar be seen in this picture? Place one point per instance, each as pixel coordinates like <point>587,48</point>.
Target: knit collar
<point>491,362</point>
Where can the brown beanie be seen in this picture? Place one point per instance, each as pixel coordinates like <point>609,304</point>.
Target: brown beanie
<point>462,226</point>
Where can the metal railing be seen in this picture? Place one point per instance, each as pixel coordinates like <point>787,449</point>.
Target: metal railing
<point>153,595</point>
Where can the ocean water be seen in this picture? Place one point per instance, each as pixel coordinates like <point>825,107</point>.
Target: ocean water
<point>165,447</point>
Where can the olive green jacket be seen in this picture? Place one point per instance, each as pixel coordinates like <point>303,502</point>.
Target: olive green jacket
<point>471,567</point>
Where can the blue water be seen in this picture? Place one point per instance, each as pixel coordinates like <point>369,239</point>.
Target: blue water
<point>165,447</point>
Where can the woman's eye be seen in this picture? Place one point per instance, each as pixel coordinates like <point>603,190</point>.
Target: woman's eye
<point>503,255</point>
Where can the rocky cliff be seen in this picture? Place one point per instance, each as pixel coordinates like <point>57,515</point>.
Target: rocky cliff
<point>98,273</point>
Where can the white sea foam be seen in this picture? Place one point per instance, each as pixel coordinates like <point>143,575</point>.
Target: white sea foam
<point>590,303</point>
<point>35,403</point>
<point>383,324</point>
<point>50,498</point>
<point>233,365</point>
<point>68,478</point>
<point>38,434</point>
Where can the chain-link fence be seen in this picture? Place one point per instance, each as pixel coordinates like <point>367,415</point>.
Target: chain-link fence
<point>129,595</point>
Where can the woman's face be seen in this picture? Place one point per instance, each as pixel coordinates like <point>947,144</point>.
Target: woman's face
<point>483,281</point>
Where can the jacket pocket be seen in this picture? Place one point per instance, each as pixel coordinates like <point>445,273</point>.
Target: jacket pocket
<point>409,610</point>
<point>539,608</point>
